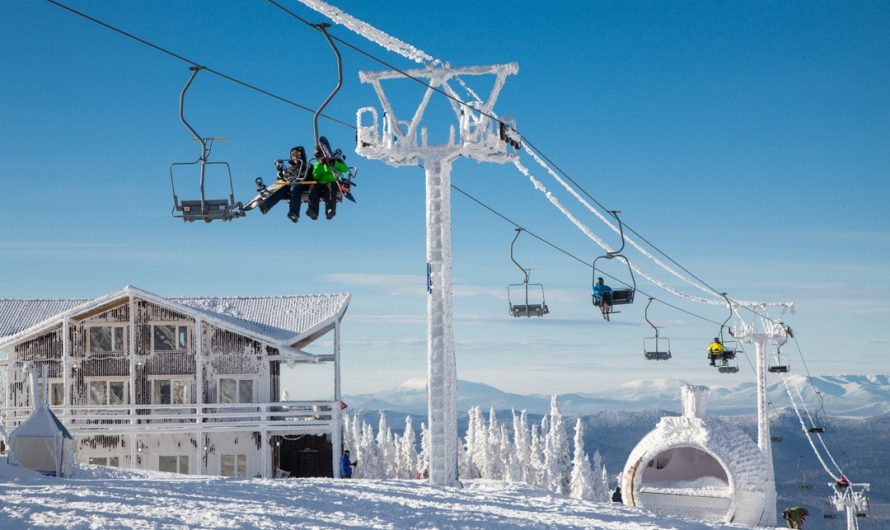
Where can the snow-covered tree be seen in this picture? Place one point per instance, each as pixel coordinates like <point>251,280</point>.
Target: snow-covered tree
<point>407,457</point>
<point>423,459</point>
<point>556,452</point>
<point>581,485</point>
<point>367,456</point>
<point>535,465</point>
<point>491,465</point>
<point>600,489</point>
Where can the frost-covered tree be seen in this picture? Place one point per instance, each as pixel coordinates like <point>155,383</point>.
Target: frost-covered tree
<point>600,488</point>
<point>536,459</point>
<point>423,459</point>
<point>407,457</point>
<point>368,457</point>
<point>490,465</point>
<point>556,452</point>
<point>581,485</point>
<point>606,488</point>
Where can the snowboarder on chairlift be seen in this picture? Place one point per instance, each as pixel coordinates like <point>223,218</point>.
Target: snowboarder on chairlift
<point>326,170</point>
<point>794,517</point>
<point>346,465</point>
<point>842,483</point>
<point>602,297</point>
<point>294,175</point>
<point>715,350</point>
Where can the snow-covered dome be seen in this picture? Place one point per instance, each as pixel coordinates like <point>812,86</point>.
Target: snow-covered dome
<point>699,467</point>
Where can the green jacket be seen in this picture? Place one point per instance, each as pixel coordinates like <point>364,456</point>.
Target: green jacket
<point>324,174</point>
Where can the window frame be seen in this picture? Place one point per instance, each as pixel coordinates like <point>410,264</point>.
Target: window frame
<point>124,342</point>
<point>187,379</point>
<point>239,460</point>
<point>52,382</point>
<point>176,325</point>
<point>179,462</point>
<point>238,378</point>
<point>107,379</point>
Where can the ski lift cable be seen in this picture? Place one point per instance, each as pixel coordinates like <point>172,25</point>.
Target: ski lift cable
<point>818,435</point>
<point>303,107</point>
<point>569,254</point>
<point>596,239</point>
<point>804,427</point>
<point>245,84</point>
<point>495,118</point>
<point>184,59</point>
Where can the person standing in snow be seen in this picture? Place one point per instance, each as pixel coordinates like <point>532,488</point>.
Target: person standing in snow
<point>346,465</point>
<point>602,297</point>
<point>795,517</point>
<point>616,495</point>
<point>715,350</point>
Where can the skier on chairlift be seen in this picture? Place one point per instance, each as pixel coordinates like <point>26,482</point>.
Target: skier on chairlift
<point>602,297</point>
<point>327,170</point>
<point>289,184</point>
<point>715,351</point>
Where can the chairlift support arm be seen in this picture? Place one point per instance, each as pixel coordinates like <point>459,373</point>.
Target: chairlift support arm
<point>323,28</point>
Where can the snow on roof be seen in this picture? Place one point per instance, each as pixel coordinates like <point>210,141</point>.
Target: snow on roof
<point>278,319</point>
<point>283,318</point>
<point>19,315</point>
<point>41,424</point>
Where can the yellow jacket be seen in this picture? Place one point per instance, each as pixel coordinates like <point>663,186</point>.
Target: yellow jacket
<point>715,348</point>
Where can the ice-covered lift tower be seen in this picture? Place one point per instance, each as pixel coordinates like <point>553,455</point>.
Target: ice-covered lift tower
<point>404,143</point>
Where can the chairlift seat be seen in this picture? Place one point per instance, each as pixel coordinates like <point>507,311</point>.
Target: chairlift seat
<point>214,209</point>
<point>622,296</point>
<point>728,369</point>
<point>658,355</point>
<point>778,369</point>
<point>536,310</point>
<point>775,439</point>
<point>816,430</point>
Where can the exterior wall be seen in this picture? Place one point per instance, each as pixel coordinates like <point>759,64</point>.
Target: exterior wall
<point>127,425</point>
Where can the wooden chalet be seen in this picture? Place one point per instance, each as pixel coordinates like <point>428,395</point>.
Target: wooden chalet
<point>188,385</point>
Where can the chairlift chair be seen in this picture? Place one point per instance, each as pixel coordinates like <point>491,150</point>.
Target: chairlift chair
<point>616,296</point>
<point>202,209</point>
<point>816,427</point>
<point>828,510</point>
<point>728,363</point>
<point>779,362</point>
<point>520,291</point>
<point>655,348</point>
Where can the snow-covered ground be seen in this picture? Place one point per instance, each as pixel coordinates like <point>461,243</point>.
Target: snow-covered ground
<point>101,497</point>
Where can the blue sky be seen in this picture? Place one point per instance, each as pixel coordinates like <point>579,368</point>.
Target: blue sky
<point>748,140</point>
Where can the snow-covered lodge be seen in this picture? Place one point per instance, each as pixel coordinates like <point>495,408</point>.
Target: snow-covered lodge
<point>188,385</point>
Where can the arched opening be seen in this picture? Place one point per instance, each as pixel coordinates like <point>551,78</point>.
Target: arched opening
<point>685,481</point>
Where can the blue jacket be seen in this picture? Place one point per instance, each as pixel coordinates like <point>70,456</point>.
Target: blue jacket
<point>345,466</point>
<point>599,289</point>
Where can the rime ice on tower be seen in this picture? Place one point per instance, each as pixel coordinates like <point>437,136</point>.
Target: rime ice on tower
<point>699,467</point>
<point>399,143</point>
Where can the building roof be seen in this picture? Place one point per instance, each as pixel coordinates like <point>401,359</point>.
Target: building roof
<point>277,320</point>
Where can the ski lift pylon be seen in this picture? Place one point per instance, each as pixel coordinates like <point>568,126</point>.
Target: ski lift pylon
<point>202,209</point>
<point>655,348</point>
<point>520,291</point>
<point>615,296</point>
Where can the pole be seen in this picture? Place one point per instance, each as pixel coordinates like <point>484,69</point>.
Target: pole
<point>763,431</point>
<point>441,366</point>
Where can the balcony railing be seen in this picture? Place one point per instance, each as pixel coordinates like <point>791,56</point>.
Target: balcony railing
<point>283,416</point>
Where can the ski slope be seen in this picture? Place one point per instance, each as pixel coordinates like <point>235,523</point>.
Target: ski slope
<point>101,497</point>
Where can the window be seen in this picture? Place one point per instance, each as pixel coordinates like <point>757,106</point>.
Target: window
<point>112,461</point>
<point>174,464</point>
<point>56,394</point>
<point>106,339</point>
<point>233,465</point>
<point>170,337</point>
<point>233,390</point>
<point>170,391</point>
<point>107,392</point>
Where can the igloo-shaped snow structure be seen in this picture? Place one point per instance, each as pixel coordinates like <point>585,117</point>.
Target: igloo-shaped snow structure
<point>699,467</point>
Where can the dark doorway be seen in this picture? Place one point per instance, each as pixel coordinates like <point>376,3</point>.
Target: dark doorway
<point>306,455</point>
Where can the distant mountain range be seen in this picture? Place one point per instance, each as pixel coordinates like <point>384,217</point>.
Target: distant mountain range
<point>843,395</point>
